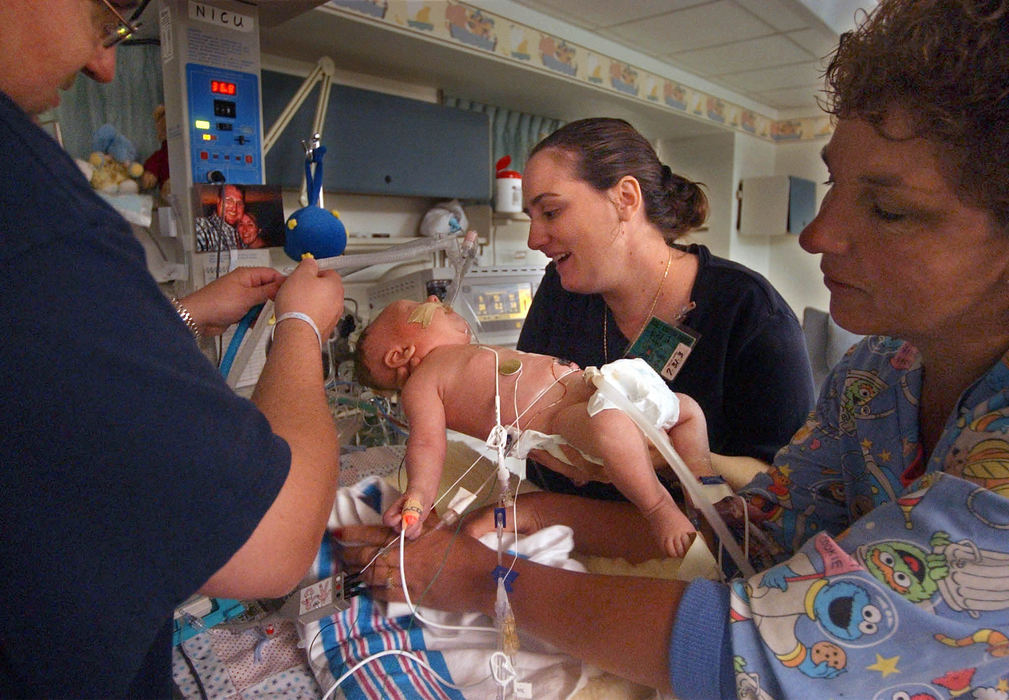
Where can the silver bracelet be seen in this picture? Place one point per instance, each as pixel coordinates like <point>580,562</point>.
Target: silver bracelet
<point>301,317</point>
<point>186,317</point>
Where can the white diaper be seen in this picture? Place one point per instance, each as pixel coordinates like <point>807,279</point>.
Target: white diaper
<point>643,387</point>
<point>637,381</point>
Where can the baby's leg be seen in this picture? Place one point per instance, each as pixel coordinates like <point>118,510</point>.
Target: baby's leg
<point>615,439</point>
<point>690,437</point>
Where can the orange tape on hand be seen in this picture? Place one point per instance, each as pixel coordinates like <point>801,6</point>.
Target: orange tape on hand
<point>411,512</point>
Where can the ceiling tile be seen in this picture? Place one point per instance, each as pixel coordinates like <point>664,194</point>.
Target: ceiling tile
<point>780,14</point>
<point>797,75</point>
<point>614,37</point>
<point>791,98</point>
<point>764,52</point>
<point>560,9</point>
<point>838,15</point>
<point>769,51</point>
<point>606,13</point>
<point>818,42</point>
<point>701,26</point>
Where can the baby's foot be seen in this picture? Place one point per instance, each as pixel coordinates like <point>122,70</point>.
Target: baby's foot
<point>671,528</point>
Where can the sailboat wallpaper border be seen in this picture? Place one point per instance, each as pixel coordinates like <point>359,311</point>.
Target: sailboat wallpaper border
<point>476,29</point>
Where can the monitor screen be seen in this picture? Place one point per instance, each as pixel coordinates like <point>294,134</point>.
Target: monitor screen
<point>494,301</point>
<point>501,304</point>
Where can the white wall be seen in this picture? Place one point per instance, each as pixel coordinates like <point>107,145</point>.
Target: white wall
<point>793,271</point>
<point>708,160</point>
<point>720,162</point>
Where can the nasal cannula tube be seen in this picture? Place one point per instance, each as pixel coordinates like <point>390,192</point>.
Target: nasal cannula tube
<point>468,249</point>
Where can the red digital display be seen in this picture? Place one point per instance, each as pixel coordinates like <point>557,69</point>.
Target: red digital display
<point>220,87</point>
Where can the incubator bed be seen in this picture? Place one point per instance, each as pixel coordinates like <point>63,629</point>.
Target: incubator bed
<point>284,658</point>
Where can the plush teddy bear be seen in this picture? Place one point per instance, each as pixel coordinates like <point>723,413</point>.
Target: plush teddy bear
<point>112,177</point>
<point>156,166</point>
<point>112,167</point>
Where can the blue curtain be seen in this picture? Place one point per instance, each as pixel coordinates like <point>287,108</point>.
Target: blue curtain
<point>512,133</point>
<point>127,103</point>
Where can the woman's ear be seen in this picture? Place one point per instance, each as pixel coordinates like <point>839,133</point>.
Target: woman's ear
<point>627,196</point>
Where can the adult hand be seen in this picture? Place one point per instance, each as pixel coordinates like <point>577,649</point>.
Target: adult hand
<point>577,468</point>
<point>318,293</point>
<point>601,528</point>
<point>461,566</point>
<point>227,299</point>
<point>528,514</point>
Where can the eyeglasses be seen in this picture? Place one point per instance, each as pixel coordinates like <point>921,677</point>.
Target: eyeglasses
<point>122,28</point>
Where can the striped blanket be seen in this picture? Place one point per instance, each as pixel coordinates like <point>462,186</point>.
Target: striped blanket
<point>463,658</point>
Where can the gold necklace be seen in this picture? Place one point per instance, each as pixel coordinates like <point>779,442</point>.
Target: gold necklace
<point>648,316</point>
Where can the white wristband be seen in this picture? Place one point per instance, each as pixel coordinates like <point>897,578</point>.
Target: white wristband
<point>301,317</point>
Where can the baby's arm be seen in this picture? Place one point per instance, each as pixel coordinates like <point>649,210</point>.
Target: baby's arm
<point>425,451</point>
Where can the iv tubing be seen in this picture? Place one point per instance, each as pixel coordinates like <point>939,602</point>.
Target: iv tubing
<point>413,608</point>
<point>469,249</point>
<point>346,264</point>
<point>686,477</point>
<point>265,318</point>
<point>398,652</point>
<point>236,339</point>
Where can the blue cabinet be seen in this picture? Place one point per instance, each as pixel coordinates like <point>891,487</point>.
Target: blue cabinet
<point>380,144</point>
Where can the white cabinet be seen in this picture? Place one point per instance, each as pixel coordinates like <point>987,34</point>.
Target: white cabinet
<point>775,205</point>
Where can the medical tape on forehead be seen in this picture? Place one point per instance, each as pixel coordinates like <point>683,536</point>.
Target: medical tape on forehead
<point>424,313</point>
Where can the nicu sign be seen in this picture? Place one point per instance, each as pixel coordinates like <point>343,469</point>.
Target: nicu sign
<point>221,18</point>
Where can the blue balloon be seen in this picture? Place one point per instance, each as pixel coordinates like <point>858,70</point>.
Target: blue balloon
<point>314,230</point>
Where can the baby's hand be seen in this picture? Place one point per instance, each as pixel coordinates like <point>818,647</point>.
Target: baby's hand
<point>406,513</point>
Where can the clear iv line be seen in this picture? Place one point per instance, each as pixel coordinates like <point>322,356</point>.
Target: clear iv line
<point>468,250</point>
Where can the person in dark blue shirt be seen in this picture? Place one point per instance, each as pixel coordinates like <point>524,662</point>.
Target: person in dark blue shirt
<point>132,475</point>
<point>608,213</point>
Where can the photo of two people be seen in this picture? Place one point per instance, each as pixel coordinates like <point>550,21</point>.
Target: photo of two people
<point>229,217</point>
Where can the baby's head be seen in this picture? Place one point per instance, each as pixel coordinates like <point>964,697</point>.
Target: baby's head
<point>401,336</point>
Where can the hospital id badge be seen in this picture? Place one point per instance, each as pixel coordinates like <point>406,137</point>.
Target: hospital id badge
<point>665,348</point>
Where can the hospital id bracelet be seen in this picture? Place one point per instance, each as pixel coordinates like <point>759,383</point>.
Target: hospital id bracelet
<point>301,317</point>
<point>186,317</point>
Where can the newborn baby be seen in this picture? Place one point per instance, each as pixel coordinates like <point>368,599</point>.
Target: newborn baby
<point>550,409</point>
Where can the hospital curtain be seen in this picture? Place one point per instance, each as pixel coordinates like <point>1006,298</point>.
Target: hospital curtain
<point>127,103</point>
<point>512,133</point>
